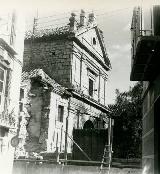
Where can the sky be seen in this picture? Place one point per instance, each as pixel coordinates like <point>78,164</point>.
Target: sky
<point>116,29</point>
<point>114,19</point>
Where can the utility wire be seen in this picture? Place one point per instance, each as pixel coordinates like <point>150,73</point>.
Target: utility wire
<point>43,27</point>
<point>40,24</point>
<point>57,14</point>
<point>98,15</point>
<point>52,20</point>
<point>114,11</point>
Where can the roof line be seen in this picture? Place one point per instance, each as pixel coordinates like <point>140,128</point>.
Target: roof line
<point>56,87</point>
<point>106,67</point>
<point>7,47</point>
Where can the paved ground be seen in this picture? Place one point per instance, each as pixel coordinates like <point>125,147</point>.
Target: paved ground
<point>125,171</point>
<point>22,167</point>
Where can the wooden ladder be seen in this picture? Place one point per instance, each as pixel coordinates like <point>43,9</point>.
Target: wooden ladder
<point>107,154</point>
<point>106,159</point>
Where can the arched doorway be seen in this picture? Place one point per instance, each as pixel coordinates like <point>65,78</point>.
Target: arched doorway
<point>88,125</point>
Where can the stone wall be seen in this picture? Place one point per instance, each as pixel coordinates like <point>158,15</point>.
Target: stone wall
<point>40,128</point>
<point>54,57</point>
<point>37,119</point>
<point>83,112</point>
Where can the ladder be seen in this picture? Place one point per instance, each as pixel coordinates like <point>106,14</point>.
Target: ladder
<point>106,159</point>
<point>107,154</point>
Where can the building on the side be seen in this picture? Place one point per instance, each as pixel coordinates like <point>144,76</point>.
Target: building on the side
<point>75,57</point>
<point>44,107</point>
<point>145,42</point>
<point>11,56</point>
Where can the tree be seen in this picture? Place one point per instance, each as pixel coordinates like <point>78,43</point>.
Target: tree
<point>127,114</point>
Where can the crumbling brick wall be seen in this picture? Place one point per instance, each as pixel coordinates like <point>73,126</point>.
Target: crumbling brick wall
<point>37,119</point>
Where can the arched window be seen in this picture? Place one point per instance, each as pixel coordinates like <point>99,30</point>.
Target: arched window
<point>88,125</point>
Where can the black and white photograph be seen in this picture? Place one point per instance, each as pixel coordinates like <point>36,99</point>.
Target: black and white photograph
<point>80,87</point>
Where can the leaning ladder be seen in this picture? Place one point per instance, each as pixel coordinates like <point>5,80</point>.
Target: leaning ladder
<point>106,159</point>
<point>107,154</point>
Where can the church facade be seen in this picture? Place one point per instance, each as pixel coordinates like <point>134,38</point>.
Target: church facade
<point>75,57</point>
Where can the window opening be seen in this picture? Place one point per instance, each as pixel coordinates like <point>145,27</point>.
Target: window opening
<point>21,104</point>
<point>91,87</point>
<point>2,82</point>
<point>94,41</point>
<point>60,113</point>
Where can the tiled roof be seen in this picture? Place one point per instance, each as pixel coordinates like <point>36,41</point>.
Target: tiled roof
<point>44,78</point>
<point>48,32</point>
<point>63,30</point>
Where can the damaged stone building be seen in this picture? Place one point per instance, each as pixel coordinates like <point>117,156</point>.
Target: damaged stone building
<point>40,98</point>
<point>74,58</point>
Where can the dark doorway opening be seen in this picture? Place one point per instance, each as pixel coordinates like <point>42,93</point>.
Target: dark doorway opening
<point>88,125</point>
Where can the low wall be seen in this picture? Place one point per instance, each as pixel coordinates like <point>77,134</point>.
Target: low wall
<point>34,167</point>
<point>127,163</point>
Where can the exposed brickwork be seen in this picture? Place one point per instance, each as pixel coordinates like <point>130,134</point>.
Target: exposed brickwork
<point>54,57</point>
<point>37,127</point>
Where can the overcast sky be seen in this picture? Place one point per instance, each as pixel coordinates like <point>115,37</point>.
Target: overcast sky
<point>113,17</point>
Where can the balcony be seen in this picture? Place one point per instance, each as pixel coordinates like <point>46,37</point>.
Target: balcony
<point>145,57</point>
<point>145,34</point>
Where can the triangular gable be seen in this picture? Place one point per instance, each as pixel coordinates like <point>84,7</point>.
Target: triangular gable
<point>101,41</point>
<point>92,37</point>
